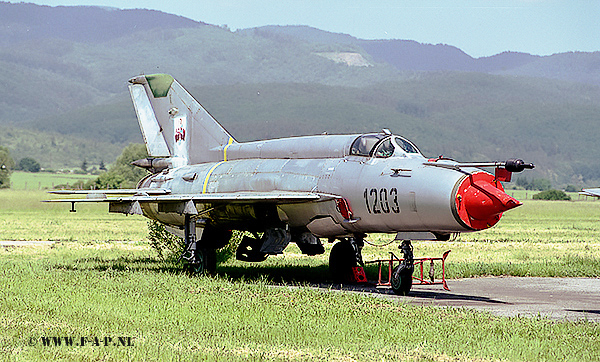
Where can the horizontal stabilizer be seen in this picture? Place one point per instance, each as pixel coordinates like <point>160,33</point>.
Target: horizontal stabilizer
<point>591,192</point>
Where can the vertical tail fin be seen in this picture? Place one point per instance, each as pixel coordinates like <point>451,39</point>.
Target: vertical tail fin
<point>174,124</point>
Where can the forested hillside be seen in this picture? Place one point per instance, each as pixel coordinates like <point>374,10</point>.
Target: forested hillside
<point>64,97</point>
<point>409,55</point>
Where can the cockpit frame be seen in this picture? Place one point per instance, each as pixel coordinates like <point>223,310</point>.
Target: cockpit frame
<point>382,145</point>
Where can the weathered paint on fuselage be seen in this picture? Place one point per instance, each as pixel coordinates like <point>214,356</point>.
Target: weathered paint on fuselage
<point>414,198</point>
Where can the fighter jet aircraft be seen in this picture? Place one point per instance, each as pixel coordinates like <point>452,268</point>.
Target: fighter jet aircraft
<point>202,184</point>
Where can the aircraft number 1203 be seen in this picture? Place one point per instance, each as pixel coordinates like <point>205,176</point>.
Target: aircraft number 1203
<point>382,201</point>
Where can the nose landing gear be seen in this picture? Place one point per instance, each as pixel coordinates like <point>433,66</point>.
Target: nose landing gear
<point>401,279</point>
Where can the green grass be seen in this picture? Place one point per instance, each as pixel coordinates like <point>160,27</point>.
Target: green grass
<point>116,289</point>
<point>540,238</point>
<point>21,180</point>
<point>25,217</point>
<point>101,279</point>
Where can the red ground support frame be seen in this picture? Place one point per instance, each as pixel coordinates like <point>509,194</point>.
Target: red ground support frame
<point>418,262</point>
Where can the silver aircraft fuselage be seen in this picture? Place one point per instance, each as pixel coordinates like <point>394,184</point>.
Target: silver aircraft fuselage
<point>390,193</point>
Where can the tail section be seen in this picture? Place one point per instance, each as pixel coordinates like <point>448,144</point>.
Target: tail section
<point>174,124</point>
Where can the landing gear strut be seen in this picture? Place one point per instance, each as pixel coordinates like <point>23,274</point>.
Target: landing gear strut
<point>402,275</point>
<point>199,260</point>
<point>345,255</point>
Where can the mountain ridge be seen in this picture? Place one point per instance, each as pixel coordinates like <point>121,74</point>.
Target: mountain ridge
<point>409,55</point>
<point>26,22</point>
<point>264,83</point>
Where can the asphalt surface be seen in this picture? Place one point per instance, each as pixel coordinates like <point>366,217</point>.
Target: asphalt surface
<point>554,298</point>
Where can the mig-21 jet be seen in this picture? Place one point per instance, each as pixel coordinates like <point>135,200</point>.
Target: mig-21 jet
<point>202,184</point>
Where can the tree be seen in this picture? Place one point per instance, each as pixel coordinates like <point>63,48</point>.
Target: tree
<point>523,182</point>
<point>29,164</point>
<point>572,188</point>
<point>122,174</point>
<point>6,165</point>
<point>541,184</point>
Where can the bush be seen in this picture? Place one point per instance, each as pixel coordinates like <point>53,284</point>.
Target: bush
<point>170,247</point>
<point>6,165</point>
<point>167,245</point>
<point>551,195</point>
<point>228,251</point>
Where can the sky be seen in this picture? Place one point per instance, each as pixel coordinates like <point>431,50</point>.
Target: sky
<point>478,27</point>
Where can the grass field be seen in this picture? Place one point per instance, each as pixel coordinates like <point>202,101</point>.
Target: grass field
<point>41,180</point>
<point>101,280</point>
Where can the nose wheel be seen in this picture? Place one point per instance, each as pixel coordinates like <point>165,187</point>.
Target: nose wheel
<point>401,279</point>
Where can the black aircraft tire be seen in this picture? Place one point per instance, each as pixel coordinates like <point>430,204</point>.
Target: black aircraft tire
<point>401,280</point>
<point>342,259</point>
<point>210,260</point>
<point>207,262</point>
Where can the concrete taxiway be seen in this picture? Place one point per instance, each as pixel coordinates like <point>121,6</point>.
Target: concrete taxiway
<point>554,298</point>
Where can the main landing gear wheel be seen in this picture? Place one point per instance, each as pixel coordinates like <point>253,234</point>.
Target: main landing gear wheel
<point>198,260</point>
<point>205,262</point>
<point>342,260</point>
<point>345,255</point>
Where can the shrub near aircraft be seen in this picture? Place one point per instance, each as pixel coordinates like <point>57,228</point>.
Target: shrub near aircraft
<point>203,184</point>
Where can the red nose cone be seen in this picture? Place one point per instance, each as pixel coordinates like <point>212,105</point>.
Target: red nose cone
<point>480,201</point>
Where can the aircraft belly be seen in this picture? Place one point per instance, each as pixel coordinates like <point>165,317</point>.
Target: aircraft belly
<point>150,210</point>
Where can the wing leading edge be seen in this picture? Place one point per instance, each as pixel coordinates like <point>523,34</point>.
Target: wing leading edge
<point>186,203</point>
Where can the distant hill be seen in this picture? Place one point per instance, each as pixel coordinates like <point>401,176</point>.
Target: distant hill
<point>24,22</point>
<point>408,55</point>
<point>64,97</point>
<point>58,151</point>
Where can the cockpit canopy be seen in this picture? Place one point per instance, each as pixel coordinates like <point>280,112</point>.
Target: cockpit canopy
<point>382,145</point>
